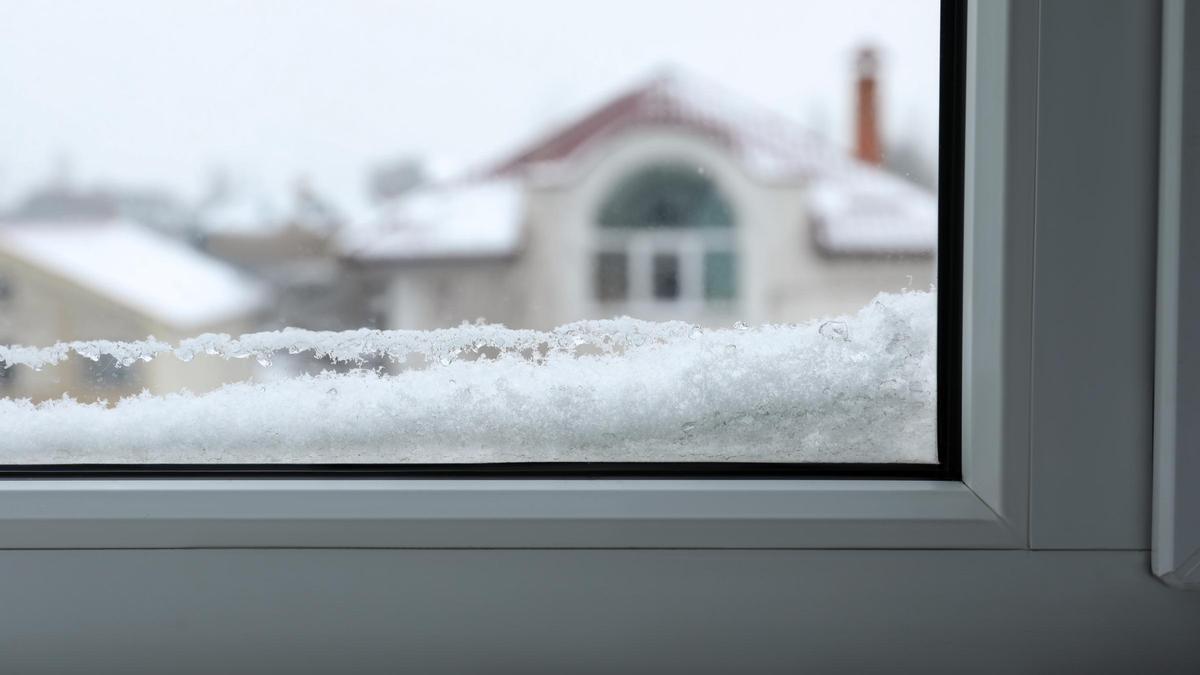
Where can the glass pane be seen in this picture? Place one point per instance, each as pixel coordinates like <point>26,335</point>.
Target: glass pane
<point>720,275</point>
<point>666,276</point>
<point>612,276</point>
<point>465,232</point>
<point>107,375</point>
<point>666,196</point>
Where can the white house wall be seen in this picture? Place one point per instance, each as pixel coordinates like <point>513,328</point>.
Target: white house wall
<point>425,296</point>
<point>782,276</point>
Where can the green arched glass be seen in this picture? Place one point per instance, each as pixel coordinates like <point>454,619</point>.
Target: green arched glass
<point>666,196</point>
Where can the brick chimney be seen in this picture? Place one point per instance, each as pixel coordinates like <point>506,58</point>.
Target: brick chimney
<point>868,146</point>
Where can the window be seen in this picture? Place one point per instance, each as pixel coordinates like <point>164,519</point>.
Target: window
<point>666,276</point>
<point>612,276</point>
<point>720,275</point>
<point>739,263</point>
<point>675,224</point>
<point>666,197</point>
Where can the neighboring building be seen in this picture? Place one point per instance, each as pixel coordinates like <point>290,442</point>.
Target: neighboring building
<point>295,253</point>
<point>65,280</point>
<point>446,254</point>
<point>673,200</point>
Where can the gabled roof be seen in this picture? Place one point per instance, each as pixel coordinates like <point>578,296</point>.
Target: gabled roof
<point>137,267</point>
<point>857,208</point>
<point>768,144</point>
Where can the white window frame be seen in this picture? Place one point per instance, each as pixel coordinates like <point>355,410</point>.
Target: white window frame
<point>987,509</point>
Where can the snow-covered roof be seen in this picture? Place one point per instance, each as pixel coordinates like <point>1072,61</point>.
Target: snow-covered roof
<point>137,267</point>
<point>867,211</point>
<point>768,144</point>
<point>478,219</point>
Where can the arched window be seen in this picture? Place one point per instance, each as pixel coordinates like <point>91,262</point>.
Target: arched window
<point>665,235</point>
<point>666,196</point>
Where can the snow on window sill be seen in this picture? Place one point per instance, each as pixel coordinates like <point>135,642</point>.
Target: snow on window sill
<point>859,388</point>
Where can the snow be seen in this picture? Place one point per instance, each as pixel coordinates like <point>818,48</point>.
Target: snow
<point>771,146</point>
<point>457,220</point>
<point>606,336</point>
<point>858,388</point>
<point>866,211</point>
<point>137,267</point>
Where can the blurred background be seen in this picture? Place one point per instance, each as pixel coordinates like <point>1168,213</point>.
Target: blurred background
<point>177,168</point>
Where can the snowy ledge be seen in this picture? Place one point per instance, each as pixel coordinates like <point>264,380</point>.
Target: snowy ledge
<point>854,389</point>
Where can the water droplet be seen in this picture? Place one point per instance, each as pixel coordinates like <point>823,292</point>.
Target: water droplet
<point>835,330</point>
<point>447,359</point>
<point>146,358</point>
<point>126,361</point>
<point>695,333</point>
<point>264,360</point>
<point>688,427</point>
<point>741,325</point>
<point>293,349</point>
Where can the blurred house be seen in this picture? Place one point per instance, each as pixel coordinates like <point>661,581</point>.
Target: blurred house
<point>114,279</point>
<point>672,200</point>
<point>294,252</point>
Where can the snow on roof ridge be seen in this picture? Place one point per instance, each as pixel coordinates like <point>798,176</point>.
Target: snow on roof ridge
<point>708,99</point>
<point>769,142</point>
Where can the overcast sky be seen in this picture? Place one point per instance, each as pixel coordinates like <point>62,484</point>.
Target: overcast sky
<point>164,92</point>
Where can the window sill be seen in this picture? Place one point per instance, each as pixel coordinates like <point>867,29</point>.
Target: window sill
<point>498,514</point>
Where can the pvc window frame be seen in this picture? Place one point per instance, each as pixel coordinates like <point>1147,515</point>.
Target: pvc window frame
<point>1175,550</point>
<point>987,508</point>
